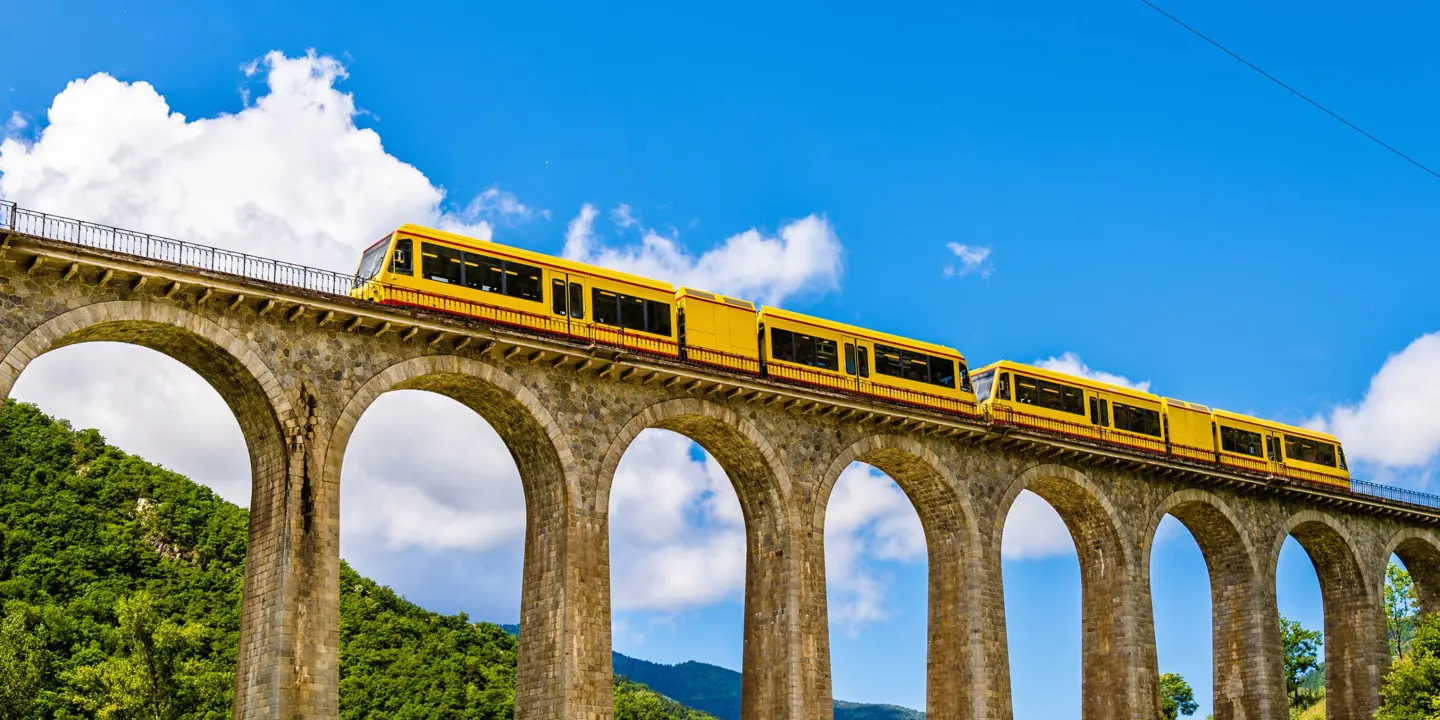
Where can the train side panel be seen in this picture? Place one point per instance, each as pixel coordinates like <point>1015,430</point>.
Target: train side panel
<point>718,330</point>
<point>1190,430</point>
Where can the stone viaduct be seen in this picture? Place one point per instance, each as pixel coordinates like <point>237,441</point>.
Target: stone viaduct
<point>299,366</point>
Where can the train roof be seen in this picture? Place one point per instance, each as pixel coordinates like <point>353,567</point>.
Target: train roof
<point>688,292</point>
<point>860,332</point>
<point>532,256</point>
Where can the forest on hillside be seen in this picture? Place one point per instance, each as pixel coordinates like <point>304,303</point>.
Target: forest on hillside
<point>120,586</point>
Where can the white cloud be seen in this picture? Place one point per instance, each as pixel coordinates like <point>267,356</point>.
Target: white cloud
<point>288,176</point>
<point>804,256</point>
<point>1395,424</point>
<point>17,122</point>
<point>972,260</point>
<point>1033,530</point>
<point>1071,364</point>
<point>423,471</point>
<point>868,522</point>
<point>677,536</point>
<point>623,217</point>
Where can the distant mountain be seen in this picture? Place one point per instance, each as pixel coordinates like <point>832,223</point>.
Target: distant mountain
<point>716,690</point>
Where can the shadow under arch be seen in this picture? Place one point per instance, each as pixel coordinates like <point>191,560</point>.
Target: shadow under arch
<point>1420,551</point>
<point>770,658</point>
<point>1356,651</point>
<point>543,457</point>
<point>1241,688</point>
<point>1110,646</point>
<point>954,657</point>
<point>252,392</point>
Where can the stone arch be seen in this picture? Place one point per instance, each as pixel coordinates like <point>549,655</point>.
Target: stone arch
<point>1242,683</point>
<point>770,657</point>
<point>274,587</point>
<point>549,604</point>
<point>1112,652</point>
<point>1420,551</point>
<point>955,653</point>
<point>1356,651</point>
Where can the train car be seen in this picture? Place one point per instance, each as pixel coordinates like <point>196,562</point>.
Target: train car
<point>1264,446</point>
<point>813,351</point>
<point>422,267</point>
<point>718,330</point>
<point>1012,393</point>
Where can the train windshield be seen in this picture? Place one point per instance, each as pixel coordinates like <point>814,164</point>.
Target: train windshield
<point>983,382</point>
<point>371,260</point>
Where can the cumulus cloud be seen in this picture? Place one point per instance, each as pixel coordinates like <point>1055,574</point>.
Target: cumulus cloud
<point>972,260</point>
<point>1395,425</point>
<point>288,176</point>
<point>868,523</point>
<point>1033,530</point>
<point>1071,364</point>
<point>804,256</point>
<point>676,532</point>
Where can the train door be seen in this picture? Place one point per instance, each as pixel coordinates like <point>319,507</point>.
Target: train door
<point>1275,453</point>
<point>567,303</point>
<point>856,364</point>
<point>1099,413</point>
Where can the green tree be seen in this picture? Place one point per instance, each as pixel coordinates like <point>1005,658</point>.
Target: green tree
<point>1176,697</point>
<point>157,673</point>
<point>1401,606</point>
<point>1412,688</point>
<point>19,665</point>
<point>1302,655</point>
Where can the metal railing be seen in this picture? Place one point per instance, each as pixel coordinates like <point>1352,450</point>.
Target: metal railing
<point>153,247</point>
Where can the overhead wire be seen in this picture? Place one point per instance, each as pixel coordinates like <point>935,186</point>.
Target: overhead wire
<point>1292,90</point>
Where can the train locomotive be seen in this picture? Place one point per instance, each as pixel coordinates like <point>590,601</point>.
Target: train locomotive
<point>434,270</point>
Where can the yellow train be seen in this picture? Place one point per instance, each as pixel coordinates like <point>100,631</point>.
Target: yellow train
<point>431,269</point>
<point>1015,394</point>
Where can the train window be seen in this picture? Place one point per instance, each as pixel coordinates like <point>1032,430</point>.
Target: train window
<point>401,262</point>
<point>632,313</point>
<point>484,273</point>
<point>1341,451</point>
<point>657,317</point>
<point>888,361</point>
<point>1105,413</point>
<point>849,358</point>
<point>1003,391</point>
<point>522,281</point>
<point>1270,449</point>
<point>782,344</point>
<point>964,377</point>
<point>606,306</point>
<point>1239,441</point>
<point>942,372</point>
<point>440,263</point>
<point>557,297</point>
<point>372,259</point>
<point>1049,395</point>
<point>1311,451</point>
<point>577,301</point>
<point>864,357</point>
<point>983,382</point>
<point>804,349</point>
<point>914,366</point>
<point>1137,420</point>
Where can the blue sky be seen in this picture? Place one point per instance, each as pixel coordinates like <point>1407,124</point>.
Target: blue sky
<point>1122,191</point>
